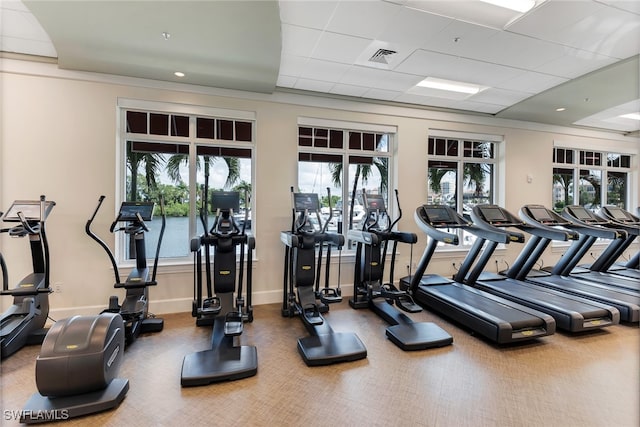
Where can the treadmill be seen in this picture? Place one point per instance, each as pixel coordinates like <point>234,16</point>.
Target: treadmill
<point>591,228</point>
<point>631,224</point>
<point>627,302</point>
<point>495,318</point>
<point>571,313</point>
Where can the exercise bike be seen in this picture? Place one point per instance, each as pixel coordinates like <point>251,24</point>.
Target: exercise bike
<point>225,306</point>
<point>24,322</point>
<point>370,290</point>
<point>302,295</point>
<point>135,306</point>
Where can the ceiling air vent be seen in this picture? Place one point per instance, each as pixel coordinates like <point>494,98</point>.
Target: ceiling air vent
<point>381,56</point>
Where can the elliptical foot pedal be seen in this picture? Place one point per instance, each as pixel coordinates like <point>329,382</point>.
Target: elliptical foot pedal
<point>233,324</point>
<point>312,315</point>
<point>330,295</point>
<point>406,303</point>
<point>211,306</point>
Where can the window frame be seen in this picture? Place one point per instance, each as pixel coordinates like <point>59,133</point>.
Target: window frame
<point>345,152</point>
<point>193,112</point>
<point>496,186</point>
<point>577,159</point>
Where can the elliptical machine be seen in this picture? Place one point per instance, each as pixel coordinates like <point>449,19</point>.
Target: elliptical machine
<point>302,271</point>
<point>370,291</point>
<point>24,322</point>
<point>135,306</point>
<point>224,360</point>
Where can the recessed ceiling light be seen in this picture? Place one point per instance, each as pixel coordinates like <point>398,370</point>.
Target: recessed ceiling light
<point>521,6</point>
<point>450,85</point>
<point>632,116</point>
<point>179,74</point>
<point>560,109</point>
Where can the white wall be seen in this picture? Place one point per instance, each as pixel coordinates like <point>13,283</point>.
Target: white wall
<point>59,139</point>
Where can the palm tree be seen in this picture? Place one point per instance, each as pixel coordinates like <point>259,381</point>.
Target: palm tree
<point>152,163</point>
<point>176,160</point>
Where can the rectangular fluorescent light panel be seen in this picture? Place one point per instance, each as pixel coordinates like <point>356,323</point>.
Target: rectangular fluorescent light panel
<point>521,6</point>
<point>450,85</point>
<point>633,116</point>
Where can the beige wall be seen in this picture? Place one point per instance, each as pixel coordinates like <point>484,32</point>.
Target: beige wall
<point>59,139</point>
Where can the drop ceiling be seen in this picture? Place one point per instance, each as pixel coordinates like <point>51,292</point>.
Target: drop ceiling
<point>578,55</point>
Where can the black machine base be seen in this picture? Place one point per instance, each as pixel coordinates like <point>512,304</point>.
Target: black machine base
<point>418,336</point>
<point>221,364</point>
<point>152,324</point>
<point>335,347</point>
<point>41,409</point>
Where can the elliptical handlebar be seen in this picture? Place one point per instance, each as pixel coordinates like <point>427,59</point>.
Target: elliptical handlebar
<point>102,244</point>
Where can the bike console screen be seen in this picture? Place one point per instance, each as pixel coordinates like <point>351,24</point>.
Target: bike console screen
<point>29,208</point>
<point>225,201</point>
<point>306,202</point>
<point>374,202</point>
<point>128,211</point>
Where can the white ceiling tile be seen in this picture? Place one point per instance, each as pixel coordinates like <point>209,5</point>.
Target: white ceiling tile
<point>531,82</point>
<point>381,79</point>
<point>22,24</point>
<point>26,46</point>
<point>515,50</point>
<point>313,85</point>
<point>552,17</point>
<point>292,65</point>
<point>385,95</point>
<point>286,81</point>
<point>340,48</point>
<point>609,31</point>
<point>479,107</point>
<point>315,69</point>
<point>628,5</point>
<point>312,14</point>
<point>299,40</point>
<point>412,27</point>
<point>349,90</point>
<point>471,38</point>
<point>433,64</point>
<point>427,100</point>
<point>500,97</point>
<point>574,63</point>
<point>362,18</point>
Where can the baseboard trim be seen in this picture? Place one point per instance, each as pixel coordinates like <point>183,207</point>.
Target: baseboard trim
<point>176,305</point>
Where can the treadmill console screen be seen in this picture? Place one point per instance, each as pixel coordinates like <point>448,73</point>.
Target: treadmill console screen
<point>617,213</point>
<point>493,215</point>
<point>128,211</point>
<point>581,213</point>
<point>306,201</point>
<point>438,215</point>
<point>541,215</point>
<point>225,201</point>
<point>374,202</point>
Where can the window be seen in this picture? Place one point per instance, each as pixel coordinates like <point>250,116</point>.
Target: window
<point>348,160</point>
<point>461,174</point>
<point>590,169</point>
<point>178,155</point>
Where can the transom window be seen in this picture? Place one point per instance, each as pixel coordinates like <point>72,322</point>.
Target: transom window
<point>180,155</point>
<point>590,169</point>
<point>349,161</point>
